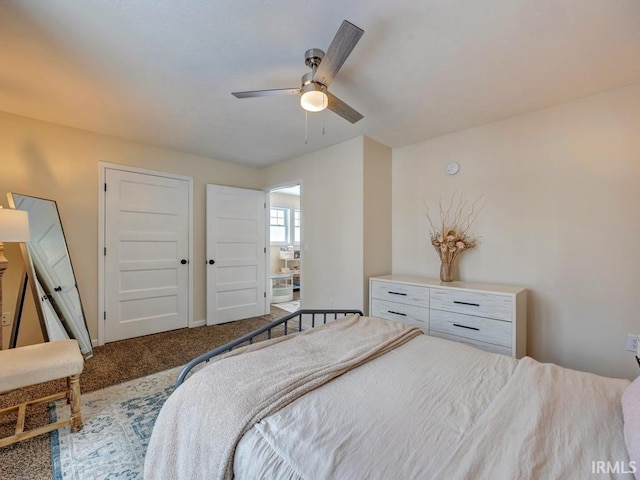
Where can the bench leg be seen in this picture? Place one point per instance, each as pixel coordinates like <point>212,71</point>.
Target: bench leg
<point>74,400</point>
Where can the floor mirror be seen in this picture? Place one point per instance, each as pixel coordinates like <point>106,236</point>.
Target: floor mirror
<point>50,276</point>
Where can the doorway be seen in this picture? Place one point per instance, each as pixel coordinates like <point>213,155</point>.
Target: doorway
<point>285,235</point>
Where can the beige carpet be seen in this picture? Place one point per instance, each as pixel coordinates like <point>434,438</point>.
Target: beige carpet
<point>113,363</point>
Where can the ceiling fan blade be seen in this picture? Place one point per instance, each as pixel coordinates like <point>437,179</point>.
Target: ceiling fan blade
<point>345,111</point>
<point>341,46</point>
<point>266,93</point>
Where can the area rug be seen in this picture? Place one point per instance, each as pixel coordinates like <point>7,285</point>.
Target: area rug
<point>117,425</point>
<point>290,307</point>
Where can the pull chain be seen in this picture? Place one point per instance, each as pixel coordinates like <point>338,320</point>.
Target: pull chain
<point>324,112</point>
<point>306,131</point>
<point>323,118</point>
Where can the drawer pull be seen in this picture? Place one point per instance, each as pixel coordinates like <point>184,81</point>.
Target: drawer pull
<point>398,293</point>
<point>464,326</point>
<point>397,313</point>
<point>467,303</point>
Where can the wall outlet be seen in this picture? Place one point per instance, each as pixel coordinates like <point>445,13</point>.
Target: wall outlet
<point>632,342</point>
<point>6,319</point>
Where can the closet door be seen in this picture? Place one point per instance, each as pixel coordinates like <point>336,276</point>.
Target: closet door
<point>146,255</point>
<point>236,254</point>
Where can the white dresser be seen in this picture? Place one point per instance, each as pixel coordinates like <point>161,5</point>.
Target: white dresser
<point>490,317</point>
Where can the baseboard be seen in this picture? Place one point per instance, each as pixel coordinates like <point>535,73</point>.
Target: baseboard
<point>199,323</point>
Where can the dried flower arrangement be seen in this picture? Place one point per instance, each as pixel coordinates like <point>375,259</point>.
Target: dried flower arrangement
<point>451,237</point>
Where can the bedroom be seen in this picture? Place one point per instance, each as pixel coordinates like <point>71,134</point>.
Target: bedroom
<point>559,175</point>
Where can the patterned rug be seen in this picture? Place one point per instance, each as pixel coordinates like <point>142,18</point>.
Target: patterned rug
<point>117,425</point>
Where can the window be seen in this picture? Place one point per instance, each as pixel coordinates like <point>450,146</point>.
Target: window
<point>285,226</point>
<point>296,227</point>
<point>279,225</point>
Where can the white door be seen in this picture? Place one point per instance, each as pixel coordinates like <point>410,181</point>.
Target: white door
<point>147,254</point>
<point>55,330</point>
<point>236,254</point>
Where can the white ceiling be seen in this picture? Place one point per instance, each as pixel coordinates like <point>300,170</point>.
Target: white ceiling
<point>162,71</point>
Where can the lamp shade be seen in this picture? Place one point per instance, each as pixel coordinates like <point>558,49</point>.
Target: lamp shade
<point>14,225</point>
<point>314,98</point>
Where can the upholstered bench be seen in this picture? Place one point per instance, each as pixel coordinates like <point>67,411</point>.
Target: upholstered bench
<point>25,366</point>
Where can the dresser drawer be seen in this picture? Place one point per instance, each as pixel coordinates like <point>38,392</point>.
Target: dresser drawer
<point>400,312</point>
<point>401,293</point>
<point>487,347</point>
<point>472,303</point>
<point>480,329</point>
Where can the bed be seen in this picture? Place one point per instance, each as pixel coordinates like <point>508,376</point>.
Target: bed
<point>361,397</point>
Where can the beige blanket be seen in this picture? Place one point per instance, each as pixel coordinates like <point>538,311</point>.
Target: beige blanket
<point>198,428</point>
<point>434,409</point>
<point>397,417</point>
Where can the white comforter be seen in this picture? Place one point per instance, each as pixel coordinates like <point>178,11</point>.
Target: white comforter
<point>433,409</point>
<point>428,409</point>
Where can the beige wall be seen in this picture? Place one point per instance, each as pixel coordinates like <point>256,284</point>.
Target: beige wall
<point>562,219</point>
<point>60,163</point>
<point>331,204</point>
<point>377,212</point>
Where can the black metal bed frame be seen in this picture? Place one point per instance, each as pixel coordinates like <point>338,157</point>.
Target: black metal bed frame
<point>205,357</point>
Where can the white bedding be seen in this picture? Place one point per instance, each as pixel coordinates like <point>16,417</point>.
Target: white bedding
<point>403,425</point>
<point>428,409</point>
<point>443,410</point>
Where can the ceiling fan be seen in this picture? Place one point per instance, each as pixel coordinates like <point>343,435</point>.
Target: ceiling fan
<point>314,96</point>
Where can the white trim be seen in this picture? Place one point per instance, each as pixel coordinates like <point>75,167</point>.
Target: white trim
<point>267,245</point>
<point>199,323</point>
<point>102,168</point>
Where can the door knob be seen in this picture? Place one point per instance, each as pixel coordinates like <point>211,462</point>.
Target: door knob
<point>211,262</point>
<point>183,261</point>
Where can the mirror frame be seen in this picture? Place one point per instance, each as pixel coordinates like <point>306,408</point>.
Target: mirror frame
<point>32,278</point>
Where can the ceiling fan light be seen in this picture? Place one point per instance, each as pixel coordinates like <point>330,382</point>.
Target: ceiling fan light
<point>313,98</point>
